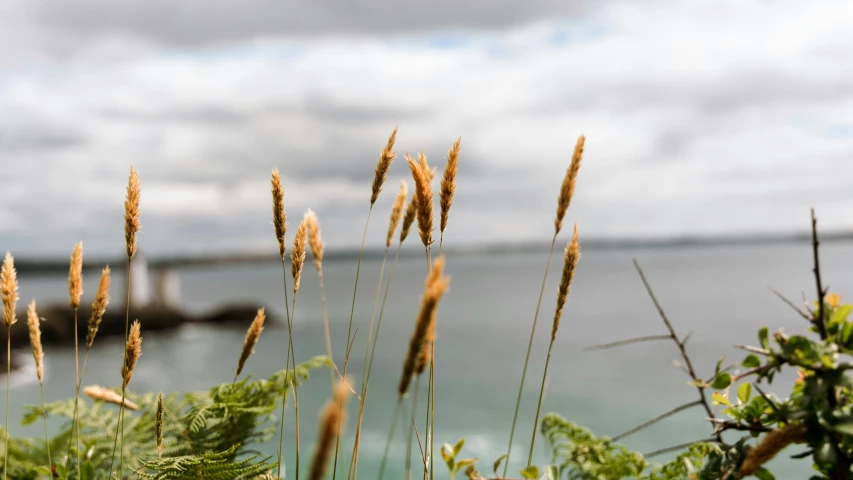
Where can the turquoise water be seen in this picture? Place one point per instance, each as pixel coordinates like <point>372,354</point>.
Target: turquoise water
<point>719,293</point>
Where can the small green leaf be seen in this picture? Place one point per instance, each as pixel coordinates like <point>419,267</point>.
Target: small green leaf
<point>465,462</point>
<point>751,361</point>
<point>721,381</point>
<point>764,474</point>
<point>845,428</point>
<point>458,447</point>
<point>840,314</point>
<point>744,392</point>
<point>763,338</point>
<point>447,455</point>
<point>719,365</point>
<point>531,472</point>
<point>720,399</point>
<point>497,464</point>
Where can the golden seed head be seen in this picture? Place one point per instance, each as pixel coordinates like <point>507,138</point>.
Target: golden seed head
<point>331,426</point>
<point>133,349</point>
<point>279,216</point>
<point>567,190</point>
<point>9,289</point>
<point>99,306</point>
<point>252,336</point>
<point>75,276</point>
<point>101,394</point>
<point>35,339</point>
<point>158,424</point>
<point>315,239</point>
<point>397,211</point>
<point>409,217</point>
<point>297,256</point>
<point>382,166</point>
<point>423,193</point>
<point>434,287</point>
<point>570,263</point>
<point>448,182</point>
<point>131,212</point>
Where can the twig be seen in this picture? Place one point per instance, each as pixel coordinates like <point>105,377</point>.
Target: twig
<point>678,343</point>
<point>723,425</point>
<point>750,348</point>
<point>660,417</point>
<point>649,338</point>
<point>755,370</point>
<point>790,303</point>
<point>766,398</point>
<point>674,448</point>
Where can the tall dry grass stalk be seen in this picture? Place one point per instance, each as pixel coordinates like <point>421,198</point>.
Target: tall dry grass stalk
<point>315,241</point>
<point>570,263</point>
<point>421,340</point>
<point>386,157</point>
<point>297,260</point>
<point>132,351</point>
<point>158,424</point>
<point>373,336</point>
<point>448,187</point>
<point>332,419</point>
<point>38,355</point>
<point>9,297</point>
<point>75,291</point>
<point>251,340</point>
<point>567,190</point>
<point>279,220</point>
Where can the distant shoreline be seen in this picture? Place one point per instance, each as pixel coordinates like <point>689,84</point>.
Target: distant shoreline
<point>49,266</point>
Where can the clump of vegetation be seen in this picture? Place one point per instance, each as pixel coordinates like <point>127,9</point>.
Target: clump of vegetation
<point>118,433</point>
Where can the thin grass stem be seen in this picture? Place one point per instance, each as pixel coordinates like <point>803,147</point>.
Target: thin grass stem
<point>349,329</point>
<point>76,423</point>
<point>284,386</point>
<point>8,386</point>
<point>412,429</point>
<point>384,461</point>
<point>527,356</point>
<point>46,437</point>
<point>539,404</point>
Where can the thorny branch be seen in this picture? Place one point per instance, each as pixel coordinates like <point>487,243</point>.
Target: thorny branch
<point>660,417</point>
<point>680,344</point>
<point>649,338</point>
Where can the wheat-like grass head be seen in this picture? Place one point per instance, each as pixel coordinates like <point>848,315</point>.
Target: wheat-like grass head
<point>99,306</point>
<point>279,216</point>
<point>448,182</point>
<point>386,156</point>
<point>131,212</point>
<point>315,238</point>
<point>397,212</point>
<point>297,256</point>
<point>75,276</point>
<point>35,339</point>
<point>252,335</point>
<point>567,189</point>
<point>423,193</point>
<point>570,263</point>
<point>9,290</point>
<point>133,349</point>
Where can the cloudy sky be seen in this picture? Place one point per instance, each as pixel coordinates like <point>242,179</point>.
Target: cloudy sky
<point>703,117</point>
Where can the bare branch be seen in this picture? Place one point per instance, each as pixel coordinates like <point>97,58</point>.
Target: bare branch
<point>790,304</point>
<point>676,447</point>
<point>766,398</point>
<point>657,419</point>
<point>750,348</point>
<point>723,425</point>
<point>629,341</point>
<point>678,343</point>
<point>819,321</point>
<point>755,370</point>
<point>687,337</point>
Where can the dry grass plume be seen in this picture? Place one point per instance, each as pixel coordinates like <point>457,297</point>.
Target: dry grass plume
<point>570,263</point>
<point>423,194</point>
<point>101,394</point>
<point>331,425</point>
<point>99,306</point>
<point>35,339</point>
<point>397,211</point>
<point>279,216</point>
<point>434,287</point>
<point>315,239</point>
<point>567,190</point>
<point>131,212</point>
<point>409,217</point>
<point>252,336</point>
<point>772,443</point>
<point>297,256</point>
<point>9,290</point>
<point>382,166</point>
<point>448,182</point>
<point>75,276</point>
<point>133,349</point>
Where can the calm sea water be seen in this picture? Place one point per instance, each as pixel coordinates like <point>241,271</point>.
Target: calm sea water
<point>719,293</point>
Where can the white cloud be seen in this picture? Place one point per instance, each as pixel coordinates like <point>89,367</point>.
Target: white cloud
<point>705,117</point>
